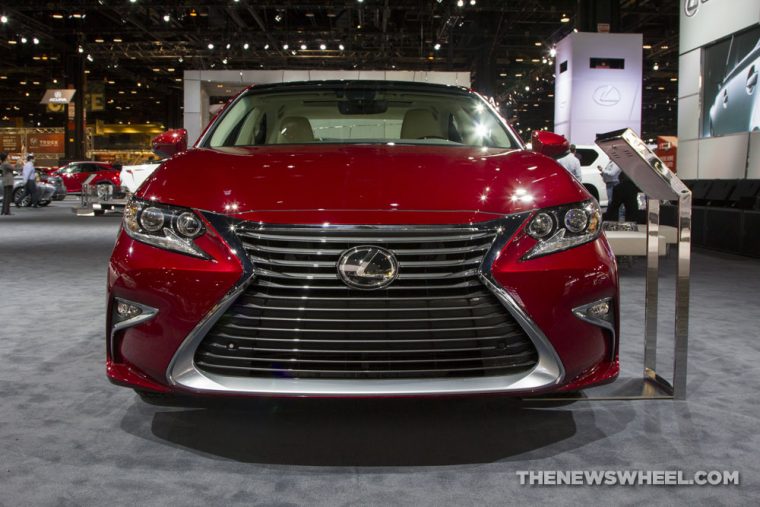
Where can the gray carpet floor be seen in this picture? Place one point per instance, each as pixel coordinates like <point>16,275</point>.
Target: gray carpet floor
<point>68,437</point>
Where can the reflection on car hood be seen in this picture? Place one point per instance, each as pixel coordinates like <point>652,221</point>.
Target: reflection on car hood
<point>362,177</point>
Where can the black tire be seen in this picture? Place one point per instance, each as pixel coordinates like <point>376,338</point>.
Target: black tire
<point>154,398</point>
<point>21,199</point>
<point>592,190</point>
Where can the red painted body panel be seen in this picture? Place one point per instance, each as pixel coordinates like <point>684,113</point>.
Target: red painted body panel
<point>74,181</point>
<point>362,177</point>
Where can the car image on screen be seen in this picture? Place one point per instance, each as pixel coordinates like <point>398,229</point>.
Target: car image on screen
<point>736,107</point>
<point>361,238</point>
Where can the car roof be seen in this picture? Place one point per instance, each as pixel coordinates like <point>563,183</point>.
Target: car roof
<point>361,84</point>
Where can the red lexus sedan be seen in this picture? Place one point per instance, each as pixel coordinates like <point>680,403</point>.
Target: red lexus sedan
<point>361,239</point>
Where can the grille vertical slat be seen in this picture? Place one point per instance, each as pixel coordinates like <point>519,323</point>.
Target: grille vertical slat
<point>298,319</point>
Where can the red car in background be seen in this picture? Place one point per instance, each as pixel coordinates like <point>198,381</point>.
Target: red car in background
<point>74,174</point>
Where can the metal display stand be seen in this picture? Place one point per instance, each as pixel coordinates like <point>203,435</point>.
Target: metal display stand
<point>659,183</point>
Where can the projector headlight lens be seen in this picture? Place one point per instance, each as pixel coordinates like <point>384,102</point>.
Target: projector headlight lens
<point>571,225</point>
<point>167,227</point>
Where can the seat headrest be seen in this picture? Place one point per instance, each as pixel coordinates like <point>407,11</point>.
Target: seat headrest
<point>420,124</point>
<point>294,130</point>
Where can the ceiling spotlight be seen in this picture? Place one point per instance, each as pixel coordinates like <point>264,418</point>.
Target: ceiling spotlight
<point>473,2</point>
<point>564,19</point>
<point>460,3</point>
<point>552,52</point>
<point>224,61</point>
<point>527,88</point>
<point>132,1</point>
<point>266,46</point>
<point>656,66</point>
<point>180,59</point>
<point>228,45</point>
<point>89,58</point>
<point>167,18</point>
<point>437,46</point>
<point>246,46</point>
<point>303,47</point>
<point>341,47</point>
<point>285,47</point>
<point>36,40</point>
<point>278,18</point>
<point>211,45</point>
<point>23,40</point>
<point>3,19</point>
<point>322,47</point>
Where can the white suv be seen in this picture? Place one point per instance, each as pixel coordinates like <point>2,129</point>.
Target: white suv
<point>593,160</point>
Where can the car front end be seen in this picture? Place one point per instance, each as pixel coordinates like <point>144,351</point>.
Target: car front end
<point>405,264</point>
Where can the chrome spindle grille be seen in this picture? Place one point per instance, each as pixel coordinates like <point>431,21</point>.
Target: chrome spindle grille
<point>298,319</point>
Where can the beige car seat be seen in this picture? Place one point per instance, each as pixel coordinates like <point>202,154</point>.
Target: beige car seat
<point>294,130</point>
<point>420,124</point>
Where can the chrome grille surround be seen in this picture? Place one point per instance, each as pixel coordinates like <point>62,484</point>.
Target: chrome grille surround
<point>271,273</point>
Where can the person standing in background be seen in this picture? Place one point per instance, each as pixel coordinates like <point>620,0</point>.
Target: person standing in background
<point>29,177</point>
<point>611,177</point>
<point>7,174</point>
<point>571,162</point>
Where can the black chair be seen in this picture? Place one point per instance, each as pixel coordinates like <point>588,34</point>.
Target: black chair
<point>746,195</point>
<point>720,191</point>
<point>699,191</point>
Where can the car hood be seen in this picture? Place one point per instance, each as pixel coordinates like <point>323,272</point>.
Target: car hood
<point>362,177</point>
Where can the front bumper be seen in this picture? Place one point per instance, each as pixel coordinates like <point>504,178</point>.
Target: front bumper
<point>540,294</point>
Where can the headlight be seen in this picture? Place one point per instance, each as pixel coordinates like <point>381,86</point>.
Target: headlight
<point>564,227</point>
<point>167,227</point>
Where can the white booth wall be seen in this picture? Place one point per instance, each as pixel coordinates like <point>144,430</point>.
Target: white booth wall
<point>197,82</point>
<point>701,156</point>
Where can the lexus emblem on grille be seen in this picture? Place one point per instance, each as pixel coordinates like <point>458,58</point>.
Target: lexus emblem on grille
<point>367,267</point>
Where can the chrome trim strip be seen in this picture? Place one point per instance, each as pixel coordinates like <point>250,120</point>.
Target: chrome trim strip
<point>148,312</point>
<point>580,312</point>
<point>548,371</point>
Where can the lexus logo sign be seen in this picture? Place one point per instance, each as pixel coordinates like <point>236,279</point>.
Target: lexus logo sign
<point>690,7</point>
<point>607,95</point>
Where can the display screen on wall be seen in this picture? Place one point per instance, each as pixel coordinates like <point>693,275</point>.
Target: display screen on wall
<point>731,100</point>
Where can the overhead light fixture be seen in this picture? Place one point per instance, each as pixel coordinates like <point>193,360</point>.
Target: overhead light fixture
<point>224,61</point>
<point>322,47</point>
<point>246,46</point>
<point>57,16</point>
<point>527,88</point>
<point>656,66</point>
<point>285,47</point>
<point>180,59</point>
<point>80,49</point>
<point>552,52</point>
<point>460,3</point>
<point>99,41</point>
<point>23,40</point>
<point>437,46</point>
<point>167,18</point>
<point>228,45</point>
<point>564,19</point>
<point>210,45</point>
<point>341,47</point>
<point>3,19</point>
<point>116,39</point>
<point>647,46</point>
<point>193,13</point>
<point>473,2</point>
<point>303,47</point>
<point>278,18</point>
<point>266,46</point>
<point>89,58</point>
<point>36,40</point>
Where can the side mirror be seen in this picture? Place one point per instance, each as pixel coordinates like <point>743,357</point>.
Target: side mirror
<point>549,144</point>
<point>170,143</point>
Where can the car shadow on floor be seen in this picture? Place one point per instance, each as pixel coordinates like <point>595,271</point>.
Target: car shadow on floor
<point>362,432</point>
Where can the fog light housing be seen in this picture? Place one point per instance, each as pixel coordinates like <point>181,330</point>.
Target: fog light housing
<point>599,310</point>
<point>126,310</point>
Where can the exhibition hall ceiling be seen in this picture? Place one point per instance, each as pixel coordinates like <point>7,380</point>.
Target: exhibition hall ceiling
<point>137,50</point>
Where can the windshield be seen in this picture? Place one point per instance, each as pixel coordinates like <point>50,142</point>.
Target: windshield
<point>359,115</point>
